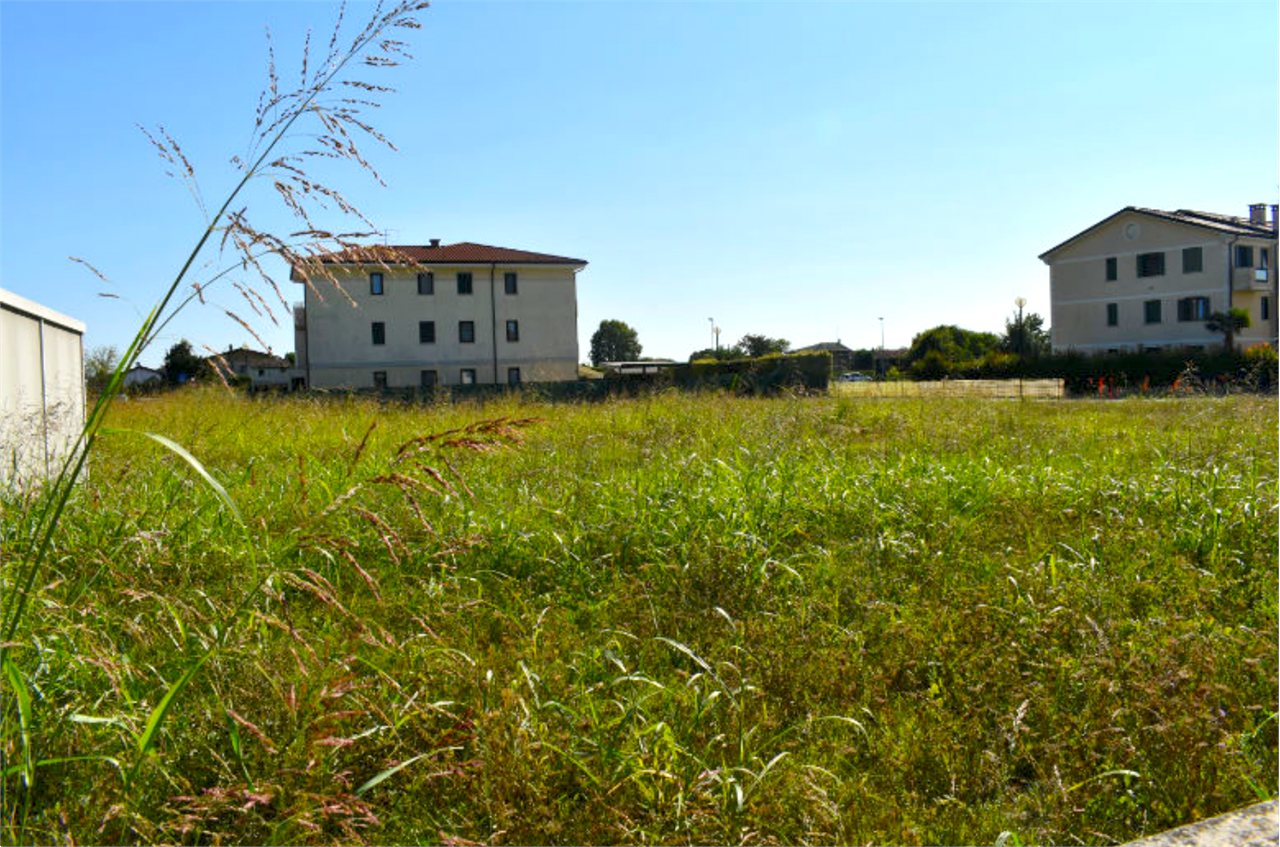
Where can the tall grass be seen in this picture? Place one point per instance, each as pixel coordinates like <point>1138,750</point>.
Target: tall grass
<point>235,248</point>
<point>696,619</point>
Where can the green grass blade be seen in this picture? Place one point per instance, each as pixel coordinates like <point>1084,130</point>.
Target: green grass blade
<point>161,711</point>
<point>23,698</point>
<point>62,760</point>
<point>387,774</point>
<point>186,456</point>
<point>1104,775</point>
<point>390,772</point>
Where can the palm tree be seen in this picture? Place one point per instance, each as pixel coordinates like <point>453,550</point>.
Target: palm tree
<point>1228,323</point>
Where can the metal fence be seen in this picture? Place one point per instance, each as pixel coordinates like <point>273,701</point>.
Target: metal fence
<point>1042,389</point>
<point>41,388</point>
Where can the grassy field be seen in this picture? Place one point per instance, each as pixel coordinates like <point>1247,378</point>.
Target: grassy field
<point>666,620</point>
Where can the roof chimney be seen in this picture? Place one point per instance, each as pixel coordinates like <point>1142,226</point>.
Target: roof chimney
<point>435,242</point>
<point>1275,222</point>
<point>1258,214</point>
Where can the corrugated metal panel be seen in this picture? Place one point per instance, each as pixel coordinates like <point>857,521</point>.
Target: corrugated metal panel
<point>42,403</point>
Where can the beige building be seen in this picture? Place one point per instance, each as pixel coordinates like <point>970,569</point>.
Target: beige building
<point>441,314</point>
<point>263,370</point>
<point>1149,279</point>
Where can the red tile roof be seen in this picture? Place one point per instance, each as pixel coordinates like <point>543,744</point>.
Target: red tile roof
<point>462,253</point>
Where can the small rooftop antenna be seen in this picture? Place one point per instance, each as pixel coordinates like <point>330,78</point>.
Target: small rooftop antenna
<point>385,234</point>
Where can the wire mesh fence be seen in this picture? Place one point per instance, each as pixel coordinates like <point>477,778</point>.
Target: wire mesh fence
<point>1044,389</point>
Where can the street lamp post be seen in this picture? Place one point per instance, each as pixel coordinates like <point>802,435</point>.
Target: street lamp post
<point>880,361</point>
<point>1021,339</point>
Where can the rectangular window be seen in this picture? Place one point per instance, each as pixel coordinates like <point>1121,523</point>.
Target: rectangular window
<point>509,283</point>
<point>468,376</point>
<point>1193,309</point>
<point>1150,264</point>
<point>379,332</point>
<point>1113,314</point>
<point>429,379</point>
<point>513,330</point>
<point>427,283</point>
<point>1192,260</point>
<point>1244,256</point>
<point>426,332</point>
<point>1151,311</point>
<point>464,283</point>
<point>1112,271</point>
<point>1266,308</point>
<point>513,376</point>
<point>375,283</point>
<point>467,332</point>
<point>1264,258</point>
<point>379,379</point>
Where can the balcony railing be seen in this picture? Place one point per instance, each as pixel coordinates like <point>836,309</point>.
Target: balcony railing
<point>1251,279</point>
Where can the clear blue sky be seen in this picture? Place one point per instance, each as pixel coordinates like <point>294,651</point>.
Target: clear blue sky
<point>794,169</point>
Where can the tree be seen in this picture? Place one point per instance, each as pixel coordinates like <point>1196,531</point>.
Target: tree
<point>755,346</point>
<point>181,365</point>
<point>99,364</point>
<point>722,354</point>
<point>614,341</point>
<point>1025,335</point>
<point>956,348</point>
<point>1228,323</point>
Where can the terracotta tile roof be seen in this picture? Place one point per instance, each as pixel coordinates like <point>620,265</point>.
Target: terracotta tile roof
<point>462,253</point>
<point>1225,224</point>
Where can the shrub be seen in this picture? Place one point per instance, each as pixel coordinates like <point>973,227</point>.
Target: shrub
<point>763,375</point>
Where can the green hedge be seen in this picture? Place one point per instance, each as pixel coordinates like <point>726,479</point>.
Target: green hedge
<point>1254,369</point>
<point>764,375</point>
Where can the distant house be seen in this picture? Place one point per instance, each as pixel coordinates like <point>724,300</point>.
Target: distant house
<point>1145,279</point>
<point>841,356</point>
<point>438,314</point>
<point>263,370</point>
<point>42,391</point>
<point>893,357</point>
<point>141,375</point>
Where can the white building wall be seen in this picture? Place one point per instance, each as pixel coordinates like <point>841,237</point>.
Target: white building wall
<point>339,350</point>
<point>42,393</point>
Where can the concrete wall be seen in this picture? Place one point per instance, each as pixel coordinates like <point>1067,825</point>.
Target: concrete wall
<point>1080,292</point>
<point>42,393</point>
<point>337,345</point>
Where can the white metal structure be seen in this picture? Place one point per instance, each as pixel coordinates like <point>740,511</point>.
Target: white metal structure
<point>42,403</point>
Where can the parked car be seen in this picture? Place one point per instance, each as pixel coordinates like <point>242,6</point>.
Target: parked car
<point>854,376</point>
